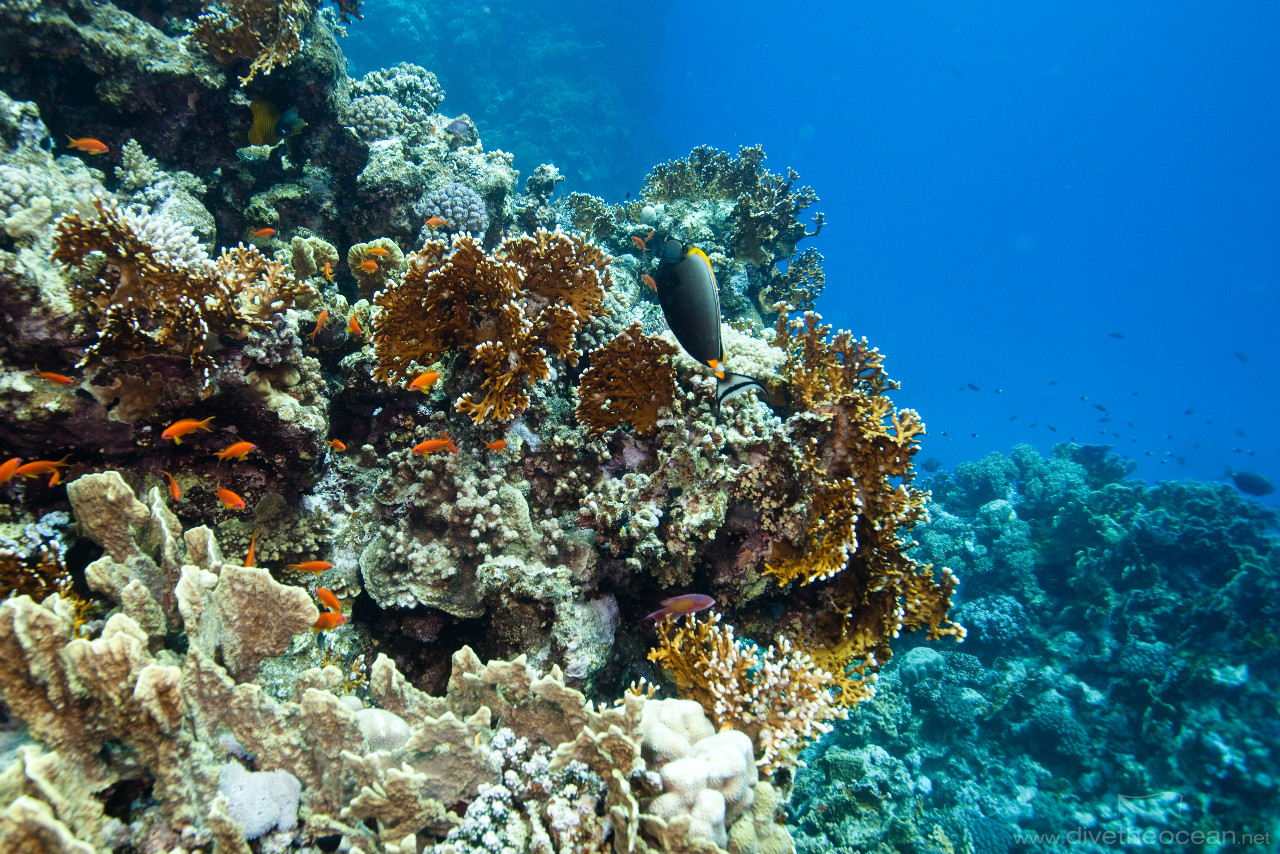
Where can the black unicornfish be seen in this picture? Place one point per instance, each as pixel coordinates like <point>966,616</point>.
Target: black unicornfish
<point>691,304</point>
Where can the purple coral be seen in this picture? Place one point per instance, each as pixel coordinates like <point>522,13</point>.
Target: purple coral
<point>459,206</point>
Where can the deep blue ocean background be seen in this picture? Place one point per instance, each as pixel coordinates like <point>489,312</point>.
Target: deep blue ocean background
<point>1008,187</point>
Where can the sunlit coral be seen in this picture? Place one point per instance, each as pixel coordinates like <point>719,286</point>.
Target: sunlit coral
<point>778,695</point>
<point>507,312</point>
<point>630,381</point>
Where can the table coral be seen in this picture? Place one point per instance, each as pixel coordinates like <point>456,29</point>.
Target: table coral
<point>630,381</point>
<point>506,312</point>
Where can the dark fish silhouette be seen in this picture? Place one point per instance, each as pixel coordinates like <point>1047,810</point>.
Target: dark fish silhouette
<point>932,464</point>
<point>1250,482</point>
<point>1117,335</point>
<point>1242,357</point>
<point>974,387</point>
<point>691,305</point>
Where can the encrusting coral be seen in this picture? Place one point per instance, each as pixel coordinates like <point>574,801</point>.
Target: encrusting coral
<point>507,311</point>
<point>155,290</point>
<point>511,744</point>
<point>630,381</point>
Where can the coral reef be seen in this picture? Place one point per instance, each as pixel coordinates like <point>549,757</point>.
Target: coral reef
<point>507,311</point>
<point>630,381</point>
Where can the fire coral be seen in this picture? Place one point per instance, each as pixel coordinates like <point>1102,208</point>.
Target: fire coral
<point>154,289</point>
<point>630,380</point>
<point>505,312</point>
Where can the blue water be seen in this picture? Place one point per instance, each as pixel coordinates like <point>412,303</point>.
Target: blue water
<point>1005,187</point>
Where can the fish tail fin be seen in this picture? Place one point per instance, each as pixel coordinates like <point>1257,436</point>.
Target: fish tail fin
<point>731,385</point>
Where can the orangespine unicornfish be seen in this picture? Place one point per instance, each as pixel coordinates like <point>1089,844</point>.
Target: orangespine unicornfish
<point>686,287</point>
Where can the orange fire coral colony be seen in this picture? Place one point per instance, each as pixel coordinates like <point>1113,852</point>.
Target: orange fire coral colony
<point>506,311</point>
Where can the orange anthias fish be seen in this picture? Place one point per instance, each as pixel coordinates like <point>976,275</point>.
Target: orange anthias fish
<point>320,322</point>
<point>251,556</point>
<point>496,445</point>
<point>328,621</point>
<point>330,601</point>
<point>53,378</point>
<point>263,232</point>
<point>316,566</point>
<point>337,446</point>
<point>328,272</point>
<point>178,429</point>
<point>173,486</point>
<point>238,450</point>
<point>432,445</point>
<point>680,606</point>
<point>368,266</point>
<point>648,280</point>
<point>424,381</point>
<point>39,467</point>
<point>353,326</point>
<point>229,499</point>
<point>378,251</point>
<point>435,222</point>
<point>8,468</point>
<point>640,244</point>
<point>88,145</point>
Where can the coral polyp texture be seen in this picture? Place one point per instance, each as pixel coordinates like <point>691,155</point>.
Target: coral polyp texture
<point>505,312</point>
<point>630,381</point>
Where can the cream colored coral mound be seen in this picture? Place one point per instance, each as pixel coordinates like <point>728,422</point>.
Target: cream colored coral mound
<point>708,777</point>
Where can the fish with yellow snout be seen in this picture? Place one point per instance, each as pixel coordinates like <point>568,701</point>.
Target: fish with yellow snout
<point>687,292</point>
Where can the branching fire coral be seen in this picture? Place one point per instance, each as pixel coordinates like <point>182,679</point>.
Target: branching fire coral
<point>778,696</point>
<point>854,447</point>
<point>630,381</point>
<point>155,290</point>
<point>269,32</point>
<point>507,312</point>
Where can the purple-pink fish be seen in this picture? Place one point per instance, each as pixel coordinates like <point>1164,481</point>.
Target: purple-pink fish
<point>679,606</point>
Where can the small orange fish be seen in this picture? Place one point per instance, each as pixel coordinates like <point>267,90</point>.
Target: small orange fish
<point>316,566</point>
<point>328,621</point>
<point>88,145</point>
<point>328,272</point>
<point>238,450</point>
<point>432,445</point>
<point>173,486</point>
<point>337,446</point>
<point>320,322</point>
<point>435,222</point>
<point>377,250</point>
<point>230,500</point>
<point>649,236</point>
<point>424,381</point>
<point>648,280</point>
<point>353,326</point>
<point>178,429</point>
<point>679,606</point>
<point>250,557</point>
<point>368,266</point>
<point>330,601</point>
<point>8,468</point>
<point>263,232</point>
<point>39,467</point>
<point>496,445</point>
<point>640,244</point>
<point>53,378</point>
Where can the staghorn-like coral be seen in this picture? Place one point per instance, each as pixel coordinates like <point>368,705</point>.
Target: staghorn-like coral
<point>778,696</point>
<point>507,312</point>
<point>630,381</point>
<point>154,289</point>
